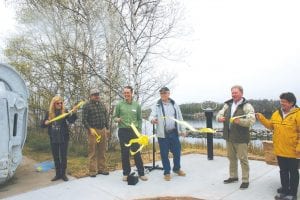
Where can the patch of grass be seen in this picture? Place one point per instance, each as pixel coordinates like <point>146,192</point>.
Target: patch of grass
<point>37,147</point>
<point>77,149</point>
<point>36,155</point>
<point>38,140</point>
<point>78,166</point>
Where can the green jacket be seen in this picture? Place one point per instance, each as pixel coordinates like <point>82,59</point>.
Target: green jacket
<point>129,113</point>
<point>237,133</point>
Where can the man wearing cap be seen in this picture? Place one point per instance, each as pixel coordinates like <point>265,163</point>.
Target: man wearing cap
<point>168,131</point>
<point>127,112</point>
<point>95,118</point>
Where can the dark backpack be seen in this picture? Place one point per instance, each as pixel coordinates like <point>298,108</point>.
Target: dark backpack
<point>132,179</point>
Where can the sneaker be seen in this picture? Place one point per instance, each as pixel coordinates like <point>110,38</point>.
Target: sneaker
<point>103,173</point>
<point>244,186</point>
<point>143,178</point>
<point>280,196</point>
<point>289,197</point>
<point>230,180</point>
<point>180,173</point>
<point>167,177</point>
<point>124,178</point>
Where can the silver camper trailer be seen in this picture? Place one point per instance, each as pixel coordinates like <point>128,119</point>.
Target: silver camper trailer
<point>13,120</point>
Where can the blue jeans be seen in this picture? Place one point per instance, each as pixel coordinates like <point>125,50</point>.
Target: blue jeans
<point>170,143</point>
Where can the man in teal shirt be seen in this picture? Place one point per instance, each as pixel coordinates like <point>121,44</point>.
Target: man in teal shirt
<point>129,111</point>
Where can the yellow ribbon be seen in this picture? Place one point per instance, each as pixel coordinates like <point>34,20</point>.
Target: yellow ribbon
<point>94,132</point>
<point>142,140</point>
<point>190,127</point>
<point>79,105</point>
<point>237,117</point>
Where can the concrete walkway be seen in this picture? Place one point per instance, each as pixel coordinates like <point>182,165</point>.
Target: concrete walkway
<point>204,180</point>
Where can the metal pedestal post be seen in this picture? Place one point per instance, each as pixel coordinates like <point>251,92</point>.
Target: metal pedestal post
<point>150,168</point>
<point>210,144</point>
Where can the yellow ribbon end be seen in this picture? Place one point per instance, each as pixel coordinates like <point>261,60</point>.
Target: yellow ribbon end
<point>144,140</point>
<point>207,130</point>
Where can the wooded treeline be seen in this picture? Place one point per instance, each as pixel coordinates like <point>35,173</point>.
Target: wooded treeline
<point>194,110</point>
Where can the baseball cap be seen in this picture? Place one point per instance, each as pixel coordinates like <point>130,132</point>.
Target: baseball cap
<point>94,91</point>
<point>164,89</point>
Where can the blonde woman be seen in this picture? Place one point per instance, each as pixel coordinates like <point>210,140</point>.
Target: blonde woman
<point>59,135</point>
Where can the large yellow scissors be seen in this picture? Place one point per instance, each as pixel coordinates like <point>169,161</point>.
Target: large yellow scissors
<point>79,105</point>
<point>94,132</point>
<point>141,139</point>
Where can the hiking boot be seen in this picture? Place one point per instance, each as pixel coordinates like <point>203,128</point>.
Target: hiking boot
<point>55,178</point>
<point>280,196</point>
<point>65,178</point>
<point>124,178</point>
<point>244,186</point>
<point>143,178</point>
<point>93,175</point>
<point>230,180</point>
<point>280,190</point>
<point>167,177</point>
<point>289,197</point>
<point>180,173</point>
<point>103,173</point>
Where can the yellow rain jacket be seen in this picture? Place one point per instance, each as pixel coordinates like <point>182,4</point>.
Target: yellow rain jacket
<point>286,132</point>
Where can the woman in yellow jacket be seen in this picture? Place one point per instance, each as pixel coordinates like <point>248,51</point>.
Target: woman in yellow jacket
<point>285,124</point>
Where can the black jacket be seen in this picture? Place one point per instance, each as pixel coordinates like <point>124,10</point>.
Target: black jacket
<point>58,131</point>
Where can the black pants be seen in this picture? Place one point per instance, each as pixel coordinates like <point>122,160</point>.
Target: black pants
<point>125,135</point>
<point>59,153</point>
<point>289,175</point>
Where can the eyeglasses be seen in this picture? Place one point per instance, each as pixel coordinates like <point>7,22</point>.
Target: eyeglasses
<point>58,103</point>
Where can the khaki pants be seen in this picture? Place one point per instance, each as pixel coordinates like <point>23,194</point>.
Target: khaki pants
<point>237,151</point>
<point>97,152</point>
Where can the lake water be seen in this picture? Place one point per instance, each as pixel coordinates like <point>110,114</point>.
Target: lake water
<point>147,126</point>
<point>148,129</point>
<point>222,142</point>
<point>215,124</point>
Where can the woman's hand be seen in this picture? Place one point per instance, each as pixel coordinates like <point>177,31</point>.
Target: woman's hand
<point>118,120</point>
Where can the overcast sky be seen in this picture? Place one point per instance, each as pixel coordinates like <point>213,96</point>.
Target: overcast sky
<point>7,23</point>
<point>252,43</point>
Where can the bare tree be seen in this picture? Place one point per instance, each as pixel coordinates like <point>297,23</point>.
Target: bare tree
<point>68,46</point>
<point>143,25</point>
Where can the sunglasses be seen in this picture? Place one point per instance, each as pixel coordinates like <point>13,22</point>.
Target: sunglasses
<point>96,94</point>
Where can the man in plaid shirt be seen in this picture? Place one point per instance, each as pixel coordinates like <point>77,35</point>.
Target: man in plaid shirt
<point>95,119</point>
